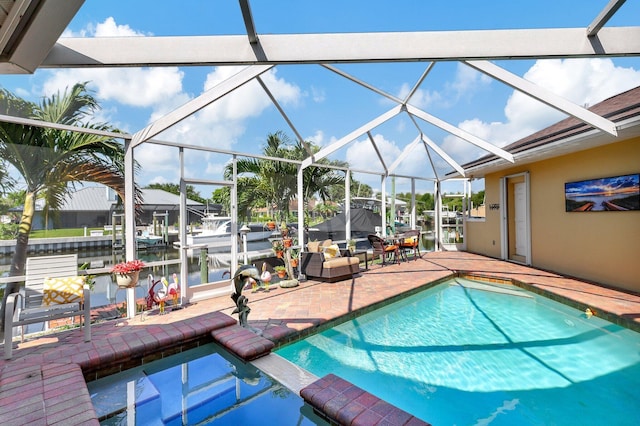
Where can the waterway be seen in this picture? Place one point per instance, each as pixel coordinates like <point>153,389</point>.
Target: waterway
<point>106,292</point>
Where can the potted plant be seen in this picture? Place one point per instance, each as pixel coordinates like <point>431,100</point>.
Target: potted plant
<point>127,273</point>
<point>281,271</point>
<point>295,257</point>
<point>284,230</point>
<point>351,246</point>
<point>89,279</point>
<point>278,248</point>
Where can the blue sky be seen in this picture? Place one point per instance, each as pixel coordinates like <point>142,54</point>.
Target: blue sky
<point>323,106</point>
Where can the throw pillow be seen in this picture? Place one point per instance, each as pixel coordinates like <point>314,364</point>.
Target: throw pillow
<point>62,290</point>
<point>313,246</point>
<point>331,251</point>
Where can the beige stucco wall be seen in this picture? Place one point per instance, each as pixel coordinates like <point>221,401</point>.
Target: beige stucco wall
<point>599,246</point>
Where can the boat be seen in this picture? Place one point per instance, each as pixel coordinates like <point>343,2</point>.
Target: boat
<point>146,240</point>
<point>216,233</point>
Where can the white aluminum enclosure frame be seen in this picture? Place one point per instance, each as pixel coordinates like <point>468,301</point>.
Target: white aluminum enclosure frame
<point>37,46</point>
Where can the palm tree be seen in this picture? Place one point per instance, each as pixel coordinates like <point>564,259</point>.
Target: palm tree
<point>275,182</point>
<point>51,161</point>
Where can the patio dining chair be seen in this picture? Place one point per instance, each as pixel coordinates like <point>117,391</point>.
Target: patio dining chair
<point>383,249</point>
<point>411,242</point>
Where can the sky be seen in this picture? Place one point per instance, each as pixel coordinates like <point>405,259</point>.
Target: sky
<point>323,106</point>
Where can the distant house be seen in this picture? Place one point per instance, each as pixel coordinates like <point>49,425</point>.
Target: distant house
<point>531,217</point>
<point>95,206</point>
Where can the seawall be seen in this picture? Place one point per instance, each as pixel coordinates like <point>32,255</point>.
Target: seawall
<point>54,245</point>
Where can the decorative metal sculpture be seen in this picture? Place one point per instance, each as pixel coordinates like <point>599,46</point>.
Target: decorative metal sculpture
<point>243,276</point>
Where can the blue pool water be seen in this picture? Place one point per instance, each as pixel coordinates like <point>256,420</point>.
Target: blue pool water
<point>197,387</point>
<point>465,353</point>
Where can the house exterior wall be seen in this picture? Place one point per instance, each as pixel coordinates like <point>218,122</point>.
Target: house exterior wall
<point>603,247</point>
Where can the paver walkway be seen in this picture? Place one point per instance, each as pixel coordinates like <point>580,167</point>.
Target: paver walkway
<point>44,382</point>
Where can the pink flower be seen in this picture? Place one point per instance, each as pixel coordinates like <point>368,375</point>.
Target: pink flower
<point>128,267</point>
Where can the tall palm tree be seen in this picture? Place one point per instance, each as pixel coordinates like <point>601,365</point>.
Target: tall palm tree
<point>52,161</point>
<point>275,182</point>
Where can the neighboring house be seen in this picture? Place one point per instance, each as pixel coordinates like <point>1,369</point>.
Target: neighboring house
<point>94,206</point>
<point>527,219</point>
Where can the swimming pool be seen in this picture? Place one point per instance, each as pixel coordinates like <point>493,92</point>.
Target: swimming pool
<point>467,353</point>
<point>200,386</point>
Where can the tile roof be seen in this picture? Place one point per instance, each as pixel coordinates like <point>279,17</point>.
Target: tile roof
<point>101,198</point>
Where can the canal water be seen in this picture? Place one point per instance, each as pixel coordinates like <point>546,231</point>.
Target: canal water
<point>106,292</point>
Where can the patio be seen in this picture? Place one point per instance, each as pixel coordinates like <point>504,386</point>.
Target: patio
<point>50,371</point>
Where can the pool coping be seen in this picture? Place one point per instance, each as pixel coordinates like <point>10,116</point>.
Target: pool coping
<point>538,289</point>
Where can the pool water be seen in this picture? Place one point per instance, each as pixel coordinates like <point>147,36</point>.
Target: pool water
<point>197,387</point>
<point>472,353</point>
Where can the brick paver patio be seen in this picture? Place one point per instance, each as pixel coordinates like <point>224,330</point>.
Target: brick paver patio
<point>44,383</point>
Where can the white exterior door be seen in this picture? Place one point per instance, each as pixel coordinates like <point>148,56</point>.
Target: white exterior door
<point>520,216</point>
<point>515,226</point>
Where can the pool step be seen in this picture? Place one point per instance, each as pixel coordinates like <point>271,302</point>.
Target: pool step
<point>243,342</point>
<point>346,404</point>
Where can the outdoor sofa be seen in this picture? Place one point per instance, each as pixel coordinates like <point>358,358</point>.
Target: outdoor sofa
<point>326,262</point>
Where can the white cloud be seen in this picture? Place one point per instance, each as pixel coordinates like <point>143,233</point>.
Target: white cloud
<point>317,138</point>
<point>467,80</point>
<point>139,87</point>
<point>249,100</point>
<point>222,124</point>
<point>582,81</point>
<point>361,155</point>
<point>421,98</point>
<point>318,95</point>
<point>109,28</point>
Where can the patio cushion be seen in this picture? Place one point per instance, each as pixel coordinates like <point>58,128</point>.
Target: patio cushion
<point>331,251</point>
<point>58,291</point>
<point>339,262</point>
<point>313,246</point>
<point>326,243</point>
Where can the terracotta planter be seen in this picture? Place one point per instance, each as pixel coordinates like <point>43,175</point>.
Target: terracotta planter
<point>279,254</point>
<point>127,280</point>
<point>294,263</point>
<point>288,242</point>
<point>271,225</point>
<point>282,274</point>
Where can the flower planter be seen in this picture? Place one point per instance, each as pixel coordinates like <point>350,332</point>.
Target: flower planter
<point>282,274</point>
<point>128,280</point>
<point>279,254</point>
<point>294,263</point>
<point>288,242</point>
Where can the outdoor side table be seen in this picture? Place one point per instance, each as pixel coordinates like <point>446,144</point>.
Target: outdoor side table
<point>366,257</point>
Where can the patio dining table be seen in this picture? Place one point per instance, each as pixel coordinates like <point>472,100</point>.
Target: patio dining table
<point>397,239</point>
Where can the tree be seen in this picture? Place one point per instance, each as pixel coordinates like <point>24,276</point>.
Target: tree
<point>52,161</point>
<point>326,209</point>
<point>174,188</point>
<point>274,183</point>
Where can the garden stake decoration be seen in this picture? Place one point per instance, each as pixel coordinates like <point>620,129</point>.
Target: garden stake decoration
<point>243,277</point>
<point>174,291</point>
